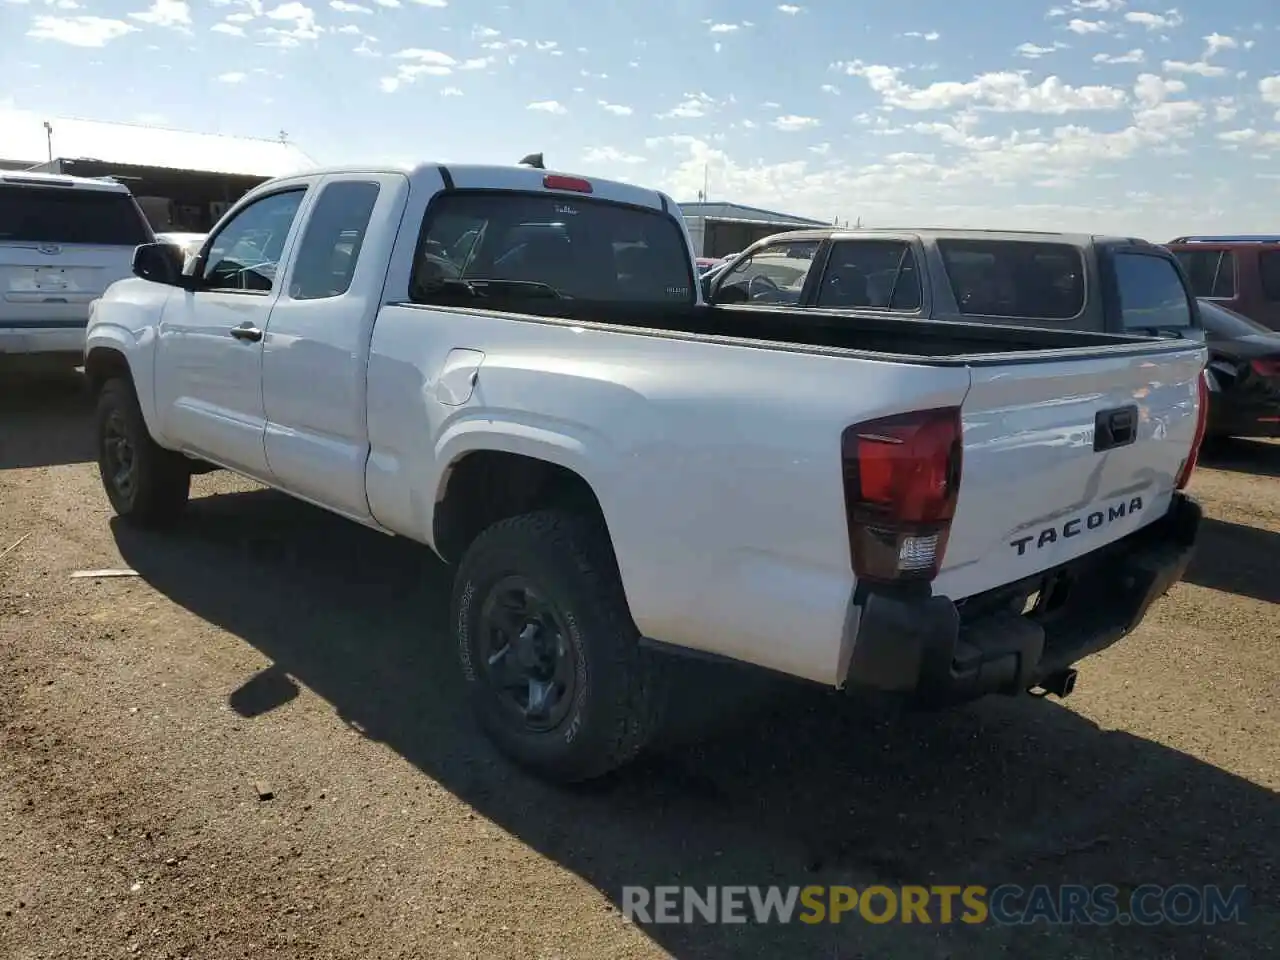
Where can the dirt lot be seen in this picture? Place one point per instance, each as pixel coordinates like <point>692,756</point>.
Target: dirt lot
<point>268,643</point>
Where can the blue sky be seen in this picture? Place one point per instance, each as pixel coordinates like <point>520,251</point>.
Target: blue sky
<point>1081,114</point>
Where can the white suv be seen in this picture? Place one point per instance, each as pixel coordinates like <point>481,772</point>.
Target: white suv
<point>63,241</point>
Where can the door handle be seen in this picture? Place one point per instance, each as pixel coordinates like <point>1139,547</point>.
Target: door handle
<point>1115,428</point>
<point>247,332</point>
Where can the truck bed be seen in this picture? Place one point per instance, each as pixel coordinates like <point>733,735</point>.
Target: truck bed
<point>887,338</point>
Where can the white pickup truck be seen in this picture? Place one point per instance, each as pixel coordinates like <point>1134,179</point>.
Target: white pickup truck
<point>515,368</point>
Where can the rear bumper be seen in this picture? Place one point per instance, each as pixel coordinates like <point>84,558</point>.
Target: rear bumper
<point>54,339</point>
<point>939,652</point>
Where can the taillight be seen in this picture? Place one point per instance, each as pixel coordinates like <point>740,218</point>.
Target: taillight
<point>1202,417</point>
<point>555,181</point>
<point>901,481</point>
<point>1266,368</point>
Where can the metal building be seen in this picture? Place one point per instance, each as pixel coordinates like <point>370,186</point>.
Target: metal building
<point>719,229</point>
<point>184,181</point>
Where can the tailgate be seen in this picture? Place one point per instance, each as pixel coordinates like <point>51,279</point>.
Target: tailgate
<point>55,283</point>
<point>1064,456</point>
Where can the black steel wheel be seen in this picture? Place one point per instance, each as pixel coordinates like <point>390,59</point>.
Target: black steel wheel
<point>528,654</point>
<point>146,484</point>
<point>550,654</point>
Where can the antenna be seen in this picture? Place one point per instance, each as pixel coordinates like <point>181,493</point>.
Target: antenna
<point>534,160</point>
<point>48,138</point>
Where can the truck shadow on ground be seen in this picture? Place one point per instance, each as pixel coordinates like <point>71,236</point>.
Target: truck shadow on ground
<point>56,421</point>
<point>1258,457</point>
<point>1236,558</point>
<point>808,787</point>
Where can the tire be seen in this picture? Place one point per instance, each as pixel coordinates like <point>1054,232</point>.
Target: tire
<point>152,491</point>
<point>611,711</point>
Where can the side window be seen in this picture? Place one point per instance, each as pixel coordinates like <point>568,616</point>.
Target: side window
<point>773,274</point>
<point>875,274</point>
<point>1269,273</point>
<point>1151,293</point>
<point>246,252</point>
<point>331,244</point>
<point>1212,272</point>
<point>1015,278</point>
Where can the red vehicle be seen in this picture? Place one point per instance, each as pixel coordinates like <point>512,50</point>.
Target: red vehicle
<point>1241,273</point>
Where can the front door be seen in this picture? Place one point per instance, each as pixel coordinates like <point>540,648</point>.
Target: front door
<point>209,368</point>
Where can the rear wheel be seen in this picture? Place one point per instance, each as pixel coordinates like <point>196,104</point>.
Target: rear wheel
<point>557,678</point>
<point>147,485</point>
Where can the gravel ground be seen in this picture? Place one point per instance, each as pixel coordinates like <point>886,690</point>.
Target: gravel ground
<point>270,647</point>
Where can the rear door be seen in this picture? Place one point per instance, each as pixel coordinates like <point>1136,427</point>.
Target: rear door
<point>315,355</point>
<point>1064,456</point>
<point>61,245</point>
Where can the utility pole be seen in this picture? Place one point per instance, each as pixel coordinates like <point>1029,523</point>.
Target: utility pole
<point>706,181</point>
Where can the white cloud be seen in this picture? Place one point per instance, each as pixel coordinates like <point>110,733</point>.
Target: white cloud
<point>1217,42</point>
<point>484,33</point>
<point>79,31</point>
<point>236,77</point>
<point>1005,92</point>
<point>450,92</point>
<point>1032,51</point>
<point>1200,67</point>
<point>790,9</point>
<point>693,107</point>
<point>790,123</point>
<point>423,63</point>
<point>610,155</point>
<point>617,109</point>
<point>434,57</point>
<point>344,6</point>
<point>174,14</point>
<point>1136,55</point>
<point>725,28</point>
<point>230,29</point>
<point>304,26</point>
<point>1155,21</point>
<point>545,44</point>
<point>831,88</point>
<point>547,106</point>
<point>1269,88</point>
<point>475,63</point>
<point>1083,27</point>
<point>916,34</point>
<point>432,3</point>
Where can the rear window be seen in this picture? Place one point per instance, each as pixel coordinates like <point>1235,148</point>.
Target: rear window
<point>1152,296</point>
<point>581,248</point>
<point>1212,272</point>
<point>1015,278</point>
<point>70,215</point>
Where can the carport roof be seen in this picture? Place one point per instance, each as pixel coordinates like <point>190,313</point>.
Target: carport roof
<point>22,138</point>
<point>742,213</point>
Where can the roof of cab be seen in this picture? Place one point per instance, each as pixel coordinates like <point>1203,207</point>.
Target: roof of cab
<point>34,179</point>
<point>471,175</point>
<point>949,233</point>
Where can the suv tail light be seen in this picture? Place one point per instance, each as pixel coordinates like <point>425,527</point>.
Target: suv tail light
<point>901,481</point>
<point>1202,418</point>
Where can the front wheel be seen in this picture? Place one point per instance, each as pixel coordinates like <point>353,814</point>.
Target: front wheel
<point>548,649</point>
<point>147,485</point>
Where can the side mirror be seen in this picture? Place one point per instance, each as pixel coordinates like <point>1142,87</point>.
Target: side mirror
<point>159,263</point>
